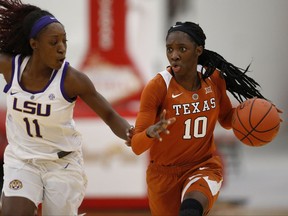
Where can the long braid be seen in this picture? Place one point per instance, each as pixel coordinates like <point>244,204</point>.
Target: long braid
<point>238,83</point>
<point>16,20</point>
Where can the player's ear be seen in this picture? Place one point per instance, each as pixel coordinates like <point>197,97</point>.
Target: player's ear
<point>33,43</point>
<point>199,50</point>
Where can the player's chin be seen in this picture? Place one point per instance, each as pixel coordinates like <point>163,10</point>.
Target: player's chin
<point>58,64</point>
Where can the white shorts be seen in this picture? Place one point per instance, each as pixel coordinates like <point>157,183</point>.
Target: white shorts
<point>59,185</point>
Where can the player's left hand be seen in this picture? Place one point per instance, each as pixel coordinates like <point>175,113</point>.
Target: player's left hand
<point>279,111</point>
<point>160,127</point>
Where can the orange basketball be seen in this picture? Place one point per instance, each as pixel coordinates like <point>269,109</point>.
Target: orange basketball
<point>256,122</point>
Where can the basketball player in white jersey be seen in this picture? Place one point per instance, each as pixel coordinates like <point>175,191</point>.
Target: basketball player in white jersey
<point>43,160</point>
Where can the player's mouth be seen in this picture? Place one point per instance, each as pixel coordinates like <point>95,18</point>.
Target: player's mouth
<point>176,68</point>
<point>61,60</point>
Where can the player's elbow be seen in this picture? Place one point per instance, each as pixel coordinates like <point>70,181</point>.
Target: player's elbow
<point>136,150</point>
<point>226,121</point>
<point>226,125</point>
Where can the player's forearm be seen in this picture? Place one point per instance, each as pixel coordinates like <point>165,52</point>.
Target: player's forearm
<point>119,126</point>
<point>141,142</point>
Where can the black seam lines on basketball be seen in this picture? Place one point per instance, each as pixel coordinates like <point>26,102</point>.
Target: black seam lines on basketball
<point>242,126</point>
<point>253,135</point>
<point>246,136</point>
<point>254,128</point>
<point>263,131</point>
<point>259,122</point>
<point>241,131</point>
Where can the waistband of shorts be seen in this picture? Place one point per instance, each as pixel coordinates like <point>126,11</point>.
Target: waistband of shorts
<point>177,169</point>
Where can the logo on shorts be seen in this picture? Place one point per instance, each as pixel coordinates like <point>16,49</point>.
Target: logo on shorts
<point>15,185</point>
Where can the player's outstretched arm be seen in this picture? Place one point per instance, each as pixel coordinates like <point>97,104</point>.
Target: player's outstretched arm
<point>78,84</point>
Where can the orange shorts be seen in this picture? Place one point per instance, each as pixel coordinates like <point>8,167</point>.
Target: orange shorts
<point>168,185</point>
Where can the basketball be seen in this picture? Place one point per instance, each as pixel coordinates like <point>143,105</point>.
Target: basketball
<point>256,122</point>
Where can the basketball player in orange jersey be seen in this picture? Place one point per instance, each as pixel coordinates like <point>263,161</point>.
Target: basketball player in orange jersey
<point>43,162</point>
<point>183,104</point>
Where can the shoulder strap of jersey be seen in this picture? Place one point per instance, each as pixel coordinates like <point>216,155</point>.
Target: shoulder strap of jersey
<point>166,75</point>
<point>16,62</point>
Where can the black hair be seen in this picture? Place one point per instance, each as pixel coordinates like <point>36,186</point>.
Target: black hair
<point>238,83</point>
<point>16,21</point>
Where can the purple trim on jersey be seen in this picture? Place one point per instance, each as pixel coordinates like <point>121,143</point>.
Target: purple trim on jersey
<point>62,84</point>
<point>8,85</point>
<point>36,92</point>
<point>19,69</point>
<point>40,24</point>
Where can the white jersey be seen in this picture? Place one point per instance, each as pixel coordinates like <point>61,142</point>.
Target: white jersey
<point>40,124</point>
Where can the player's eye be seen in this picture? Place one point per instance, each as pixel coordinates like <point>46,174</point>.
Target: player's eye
<point>183,49</point>
<point>53,42</point>
<point>169,49</point>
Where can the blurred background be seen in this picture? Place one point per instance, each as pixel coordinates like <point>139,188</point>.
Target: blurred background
<point>120,44</point>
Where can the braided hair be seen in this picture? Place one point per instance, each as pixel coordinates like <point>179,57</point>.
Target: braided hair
<point>16,21</point>
<point>238,83</point>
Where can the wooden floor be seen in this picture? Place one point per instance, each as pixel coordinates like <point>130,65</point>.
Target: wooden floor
<point>221,209</point>
<point>223,212</point>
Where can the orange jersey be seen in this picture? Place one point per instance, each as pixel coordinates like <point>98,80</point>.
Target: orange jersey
<point>191,137</point>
